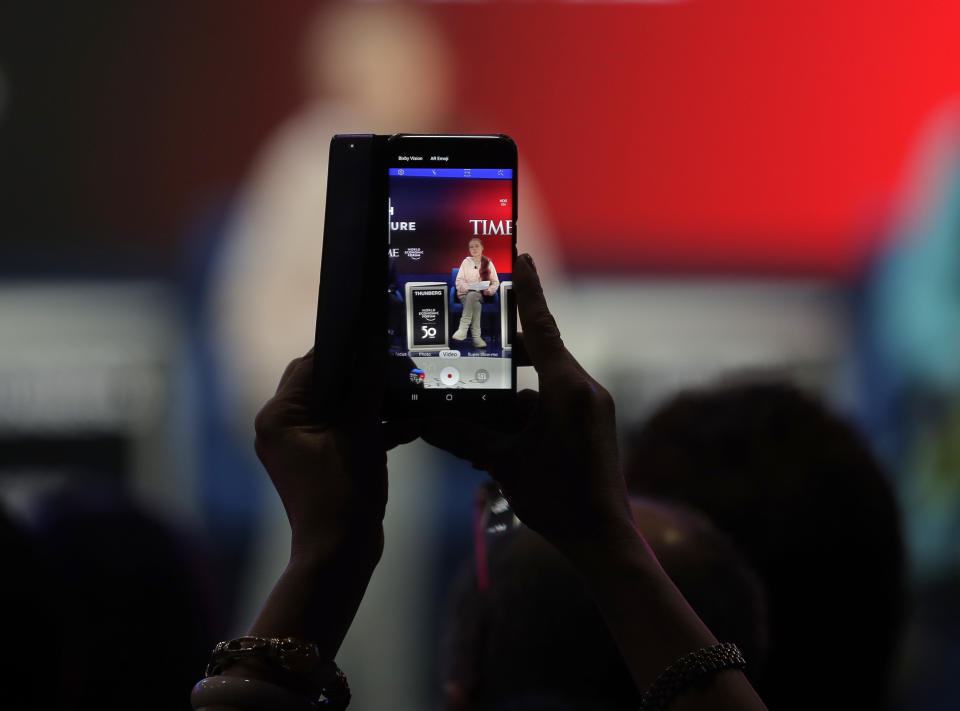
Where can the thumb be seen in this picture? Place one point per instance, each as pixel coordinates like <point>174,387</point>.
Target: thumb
<point>541,336</point>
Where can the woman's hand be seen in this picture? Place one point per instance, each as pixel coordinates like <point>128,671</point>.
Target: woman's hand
<point>559,465</point>
<point>333,484</point>
<point>559,468</point>
<point>332,480</point>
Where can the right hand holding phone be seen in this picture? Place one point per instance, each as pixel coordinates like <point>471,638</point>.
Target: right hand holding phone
<point>559,464</point>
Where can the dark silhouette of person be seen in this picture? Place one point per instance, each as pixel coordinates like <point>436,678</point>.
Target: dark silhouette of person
<point>534,639</point>
<point>27,601</point>
<point>800,493</point>
<point>128,597</point>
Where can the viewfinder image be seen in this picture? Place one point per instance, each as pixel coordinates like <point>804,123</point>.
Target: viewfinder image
<point>450,251</point>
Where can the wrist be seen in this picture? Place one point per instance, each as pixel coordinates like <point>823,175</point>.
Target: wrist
<point>356,549</point>
<point>614,547</point>
<point>316,597</point>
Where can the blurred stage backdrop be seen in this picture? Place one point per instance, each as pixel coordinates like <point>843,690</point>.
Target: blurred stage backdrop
<point>708,187</point>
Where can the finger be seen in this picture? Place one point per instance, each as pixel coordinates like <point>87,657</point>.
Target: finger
<point>516,416</point>
<point>520,355</point>
<point>364,396</point>
<point>290,405</point>
<point>286,373</point>
<point>464,438</point>
<point>399,432</point>
<point>297,376</point>
<point>540,333</point>
<point>485,445</point>
<point>519,415</point>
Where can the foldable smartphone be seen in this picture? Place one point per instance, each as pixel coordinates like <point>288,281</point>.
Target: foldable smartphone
<point>416,283</point>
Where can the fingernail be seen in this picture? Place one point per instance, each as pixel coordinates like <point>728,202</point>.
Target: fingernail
<point>530,261</point>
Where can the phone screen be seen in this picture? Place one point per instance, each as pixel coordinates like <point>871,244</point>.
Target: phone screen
<point>450,262</point>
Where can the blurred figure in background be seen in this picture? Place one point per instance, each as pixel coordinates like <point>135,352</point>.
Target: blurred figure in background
<point>366,69</point>
<point>530,637</point>
<point>799,492</point>
<point>381,69</point>
<point>121,610</point>
<point>909,396</point>
<point>28,605</point>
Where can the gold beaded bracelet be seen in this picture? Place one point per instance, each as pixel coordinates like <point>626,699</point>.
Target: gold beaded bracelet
<point>297,657</point>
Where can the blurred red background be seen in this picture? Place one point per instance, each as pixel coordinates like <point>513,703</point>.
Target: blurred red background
<point>723,136</point>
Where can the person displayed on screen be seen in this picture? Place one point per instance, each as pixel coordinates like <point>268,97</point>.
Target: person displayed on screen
<point>474,272</point>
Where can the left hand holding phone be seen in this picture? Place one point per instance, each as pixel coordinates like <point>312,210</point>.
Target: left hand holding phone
<point>333,491</point>
<point>332,480</point>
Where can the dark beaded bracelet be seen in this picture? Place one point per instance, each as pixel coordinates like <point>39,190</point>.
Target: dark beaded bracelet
<point>691,669</point>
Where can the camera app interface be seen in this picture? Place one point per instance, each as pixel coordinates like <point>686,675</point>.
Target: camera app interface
<point>450,291</point>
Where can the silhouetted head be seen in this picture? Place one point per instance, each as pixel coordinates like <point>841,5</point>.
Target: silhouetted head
<point>801,495</point>
<point>534,640</point>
